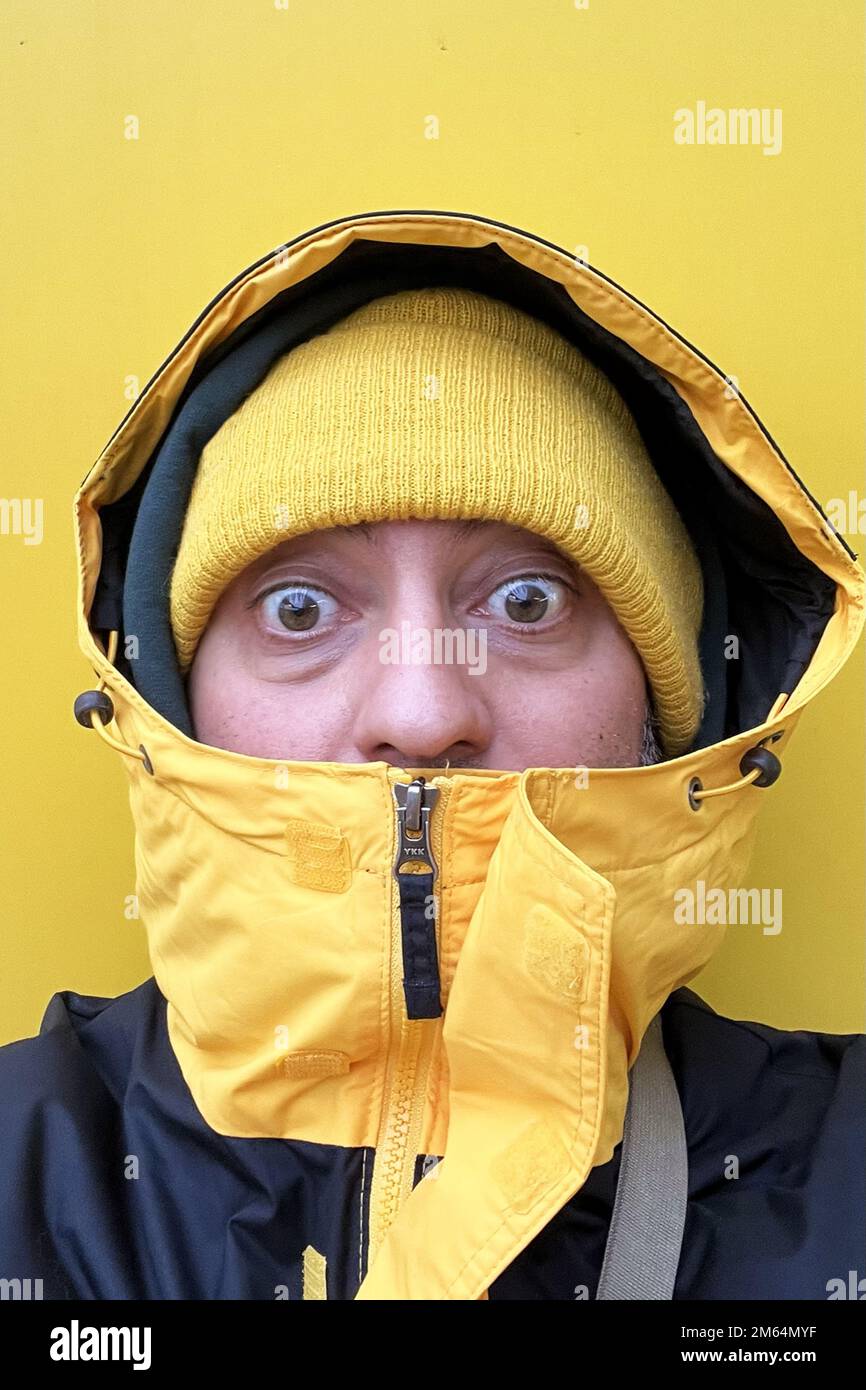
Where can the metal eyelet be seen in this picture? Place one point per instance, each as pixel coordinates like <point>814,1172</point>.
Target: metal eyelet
<point>695,785</point>
<point>145,762</point>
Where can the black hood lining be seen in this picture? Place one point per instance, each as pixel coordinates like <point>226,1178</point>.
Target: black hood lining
<point>759,588</point>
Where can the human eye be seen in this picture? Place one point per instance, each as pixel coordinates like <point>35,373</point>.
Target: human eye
<point>297,607</point>
<point>530,599</point>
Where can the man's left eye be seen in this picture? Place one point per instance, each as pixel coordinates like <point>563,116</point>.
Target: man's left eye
<point>528,599</point>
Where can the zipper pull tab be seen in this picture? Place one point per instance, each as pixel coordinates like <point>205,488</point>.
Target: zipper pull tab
<point>415,802</point>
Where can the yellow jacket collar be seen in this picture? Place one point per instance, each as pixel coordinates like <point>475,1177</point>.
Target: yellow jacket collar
<point>558,943</point>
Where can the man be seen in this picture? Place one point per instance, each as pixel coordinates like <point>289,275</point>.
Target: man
<point>451,616</point>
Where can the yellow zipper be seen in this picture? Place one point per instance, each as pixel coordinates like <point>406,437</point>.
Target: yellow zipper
<point>410,1051</point>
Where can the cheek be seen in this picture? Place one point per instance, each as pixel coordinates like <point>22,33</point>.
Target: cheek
<point>219,696</point>
<point>587,712</point>
<point>243,712</point>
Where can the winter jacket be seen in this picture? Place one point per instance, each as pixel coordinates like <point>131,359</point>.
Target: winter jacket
<point>329,1090</point>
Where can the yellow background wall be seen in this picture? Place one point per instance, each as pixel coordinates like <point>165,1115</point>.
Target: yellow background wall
<point>259,120</point>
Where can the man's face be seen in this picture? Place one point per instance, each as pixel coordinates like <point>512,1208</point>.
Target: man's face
<point>326,649</point>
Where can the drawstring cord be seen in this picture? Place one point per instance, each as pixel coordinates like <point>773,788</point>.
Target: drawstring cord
<point>94,709</point>
<point>763,767</point>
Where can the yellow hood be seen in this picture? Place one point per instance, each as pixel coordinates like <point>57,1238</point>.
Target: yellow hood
<point>266,888</point>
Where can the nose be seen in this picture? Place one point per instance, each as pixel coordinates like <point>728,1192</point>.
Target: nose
<point>421,713</point>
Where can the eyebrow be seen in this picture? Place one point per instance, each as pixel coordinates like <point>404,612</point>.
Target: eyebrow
<point>464,528</point>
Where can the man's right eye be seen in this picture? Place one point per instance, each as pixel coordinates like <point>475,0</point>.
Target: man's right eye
<point>297,607</point>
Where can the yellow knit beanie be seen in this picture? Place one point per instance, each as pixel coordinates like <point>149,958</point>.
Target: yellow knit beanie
<point>445,403</point>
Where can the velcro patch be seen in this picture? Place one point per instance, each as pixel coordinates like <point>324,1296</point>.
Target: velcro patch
<point>531,1165</point>
<point>556,954</point>
<point>316,1062</point>
<point>318,856</point>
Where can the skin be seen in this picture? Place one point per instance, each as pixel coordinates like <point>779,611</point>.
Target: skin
<point>276,676</point>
